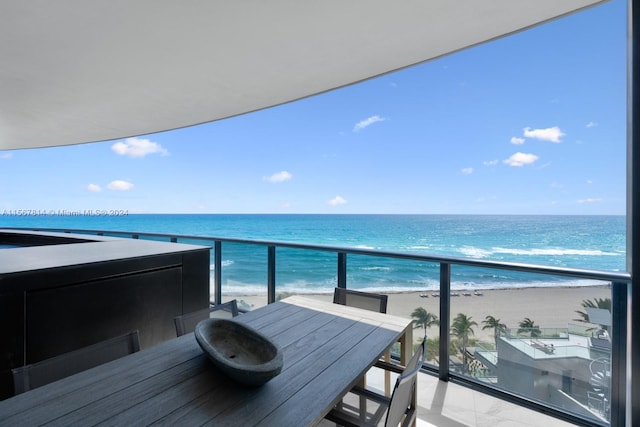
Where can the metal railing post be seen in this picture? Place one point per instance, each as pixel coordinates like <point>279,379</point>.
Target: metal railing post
<point>342,269</point>
<point>618,379</point>
<point>633,208</point>
<point>217,271</point>
<point>445,320</point>
<point>271,274</point>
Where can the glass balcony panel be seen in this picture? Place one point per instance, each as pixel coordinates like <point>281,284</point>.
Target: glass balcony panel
<point>305,271</point>
<point>413,289</point>
<point>244,274</point>
<point>392,275</point>
<point>548,341</point>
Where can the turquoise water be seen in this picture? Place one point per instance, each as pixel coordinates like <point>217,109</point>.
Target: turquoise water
<point>589,242</point>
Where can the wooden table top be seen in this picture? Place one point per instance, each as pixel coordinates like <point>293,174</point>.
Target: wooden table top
<point>327,348</point>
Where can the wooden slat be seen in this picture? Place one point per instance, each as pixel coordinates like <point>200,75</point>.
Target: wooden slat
<point>136,394</point>
<point>266,315</point>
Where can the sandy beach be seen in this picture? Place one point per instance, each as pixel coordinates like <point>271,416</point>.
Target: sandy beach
<point>547,307</point>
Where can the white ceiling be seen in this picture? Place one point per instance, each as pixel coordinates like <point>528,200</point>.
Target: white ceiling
<point>74,71</point>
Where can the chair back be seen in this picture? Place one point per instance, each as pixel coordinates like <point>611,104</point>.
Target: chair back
<point>403,390</point>
<point>364,300</point>
<point>187,322</point>
<point>47,371</point>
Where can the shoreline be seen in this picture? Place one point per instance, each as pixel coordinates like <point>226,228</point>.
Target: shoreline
<point>548,307</point>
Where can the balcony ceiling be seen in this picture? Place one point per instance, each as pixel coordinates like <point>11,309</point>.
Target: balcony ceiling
<point>75,71</point>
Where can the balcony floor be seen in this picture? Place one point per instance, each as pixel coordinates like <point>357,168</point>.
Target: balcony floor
<point>444,404</point>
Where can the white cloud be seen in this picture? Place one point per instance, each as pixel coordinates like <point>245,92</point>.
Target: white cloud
<point>589,200</point>
<point>120,185</point>
<point>6,155</point>
<point>491,162</point>
<point>592,124</point>
<point>137,147</point>
<point>521,159</point>
<point>467,171</point>
<point>517,141</point>
<point>95,188</point>
<point>367,122</point>
<point>337,201</point>
<point>552,134</point>
<point>277,177</point>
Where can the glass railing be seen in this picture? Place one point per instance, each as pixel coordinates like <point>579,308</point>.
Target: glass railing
<point>521,331</point>
<point>536,342</point>
<point>528,332</point>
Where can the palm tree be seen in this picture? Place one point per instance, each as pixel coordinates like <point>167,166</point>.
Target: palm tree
<point>528,325</point>
<point>601,303</point>
<point>492,322</point>
<point>462,327</point>
<point>423,319</point>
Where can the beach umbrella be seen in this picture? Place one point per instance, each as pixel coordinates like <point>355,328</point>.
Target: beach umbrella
<point>75,71</point>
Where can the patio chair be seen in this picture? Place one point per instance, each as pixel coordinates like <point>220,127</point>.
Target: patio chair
<point>400,408</point>
<point>49,370</point>
<point>187,322</point>
<point>364,300</point>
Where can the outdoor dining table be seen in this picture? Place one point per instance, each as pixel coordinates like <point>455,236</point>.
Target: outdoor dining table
<point>327,348</point>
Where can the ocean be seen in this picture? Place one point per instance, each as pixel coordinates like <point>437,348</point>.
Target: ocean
<point>587,242</point>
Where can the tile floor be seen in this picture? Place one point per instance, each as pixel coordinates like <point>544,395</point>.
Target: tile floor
<point>444,404</point>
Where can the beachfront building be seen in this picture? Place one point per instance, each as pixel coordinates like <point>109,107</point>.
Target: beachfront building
<point>569,368</point>
<point>60,89</point>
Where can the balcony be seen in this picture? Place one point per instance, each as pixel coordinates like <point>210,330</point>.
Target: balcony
<point>477,361</point>
<point>557,364</point>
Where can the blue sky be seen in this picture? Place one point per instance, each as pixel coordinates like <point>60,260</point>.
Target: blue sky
<point>534,123</point>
